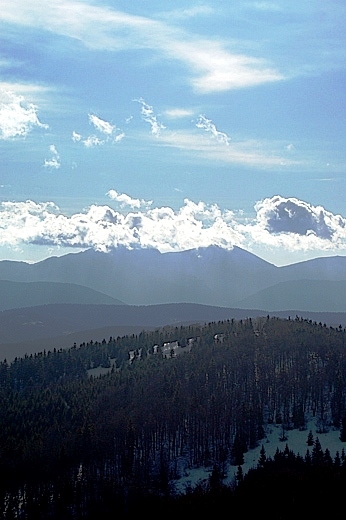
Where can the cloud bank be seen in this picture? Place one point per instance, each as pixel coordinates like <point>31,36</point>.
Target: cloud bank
<point>279,223</point>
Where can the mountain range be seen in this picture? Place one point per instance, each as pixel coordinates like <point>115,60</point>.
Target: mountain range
<point>108,289</point>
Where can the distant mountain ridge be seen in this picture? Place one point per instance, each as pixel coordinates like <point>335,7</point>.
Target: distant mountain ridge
<point>209,276</point>
<point>305,295</point>
<point>29,294</point>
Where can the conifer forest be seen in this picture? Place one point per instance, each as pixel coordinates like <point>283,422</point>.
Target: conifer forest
<point>106,429</point>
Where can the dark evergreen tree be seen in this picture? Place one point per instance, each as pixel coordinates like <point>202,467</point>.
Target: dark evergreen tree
<point>263,457</point>
<point>238,449</point>
<point>310,439</point>
<point>317,455</point>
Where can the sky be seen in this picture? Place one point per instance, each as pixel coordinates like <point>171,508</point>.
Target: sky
<point>173,125</point>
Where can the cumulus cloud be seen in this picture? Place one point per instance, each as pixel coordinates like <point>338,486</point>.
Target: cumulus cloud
<point>126,200</point>
<point>92,140</point>
<point>279,215</point>
<point>208,126</point>
<point>76,137</point>
<point>149,116</point>
<point>109,133</point>
<point>54,161</point>
<point>17,116</point>
<point>279,223</point>
<point>102,228</point>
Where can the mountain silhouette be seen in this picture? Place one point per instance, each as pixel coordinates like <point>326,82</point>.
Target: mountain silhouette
<point>209,276</point>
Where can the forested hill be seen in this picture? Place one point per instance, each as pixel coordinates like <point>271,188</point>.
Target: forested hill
<point>76,445</point>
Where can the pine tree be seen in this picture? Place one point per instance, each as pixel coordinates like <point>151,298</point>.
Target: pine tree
<point>263,457</point>
<point>308,457</point>
<point>317,455</point>
<point>337,460</point>
<point>238,450</point>
<point>328,461</point>
<point>310,439</point>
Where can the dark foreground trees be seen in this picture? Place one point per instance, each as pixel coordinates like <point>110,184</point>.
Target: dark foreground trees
<point>76,446</point>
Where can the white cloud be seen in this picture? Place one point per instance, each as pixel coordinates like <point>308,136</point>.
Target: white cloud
<point>212,67</point>
<point>291,225</point>
<point>17,117</point>
<point>54,161</point>
<point>177,113</point>
<point>279,215</point>
<point>28,90</point>
<point>91,141</point>
<point>183,14</point>
<point>265,6</point>
<point>126,200</point>
<point>101,125</point>
<point>119,137</point>
<point>280,224</point>
<point>217,70</point>
<point>76,137</point>
<point>108,130</point>
<point>255,153</point>
<point>208,126</point>
<point>148,115</point>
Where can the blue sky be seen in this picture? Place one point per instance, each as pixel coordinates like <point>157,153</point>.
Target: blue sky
<point>172,125</point>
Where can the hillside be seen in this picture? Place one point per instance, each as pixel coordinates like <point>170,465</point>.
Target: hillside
<point>172,403</point>
<point>34,329</point>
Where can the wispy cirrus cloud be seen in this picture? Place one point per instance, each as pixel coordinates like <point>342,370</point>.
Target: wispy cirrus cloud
<point>212,66</point>
<point>249,152</point>
<point>265,6</point>
<point>187,13</point>
<point>279,223</point>
<point>214,146</point>
<point>209,126</point>
<point>178,113</point>
<point>149,116</point>
<point>17,116</point>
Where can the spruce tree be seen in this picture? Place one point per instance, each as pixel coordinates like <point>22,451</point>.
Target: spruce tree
<point>310,439</point>
<point>317,454</point>
<point>263,457</point>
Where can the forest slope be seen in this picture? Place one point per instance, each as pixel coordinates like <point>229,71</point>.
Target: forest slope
<point>173,399</point>
<point>44,327</point>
